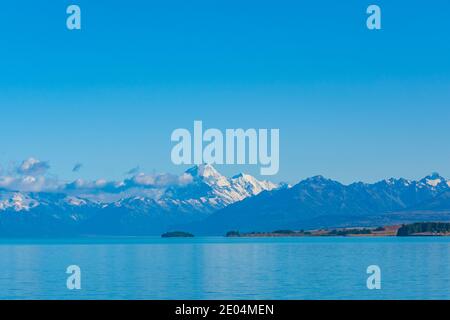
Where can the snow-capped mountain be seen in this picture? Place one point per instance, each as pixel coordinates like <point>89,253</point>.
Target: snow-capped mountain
<point>210,191</point>
<point>16,201</point>
<point>212,203</point>
<point>27,201</point>
<point>436,181</point>
<point>207,192</point>
<point>319,202</point>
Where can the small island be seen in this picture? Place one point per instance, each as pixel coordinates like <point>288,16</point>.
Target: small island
<point>177,234</point>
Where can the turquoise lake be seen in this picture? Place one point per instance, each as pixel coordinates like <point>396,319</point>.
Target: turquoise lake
<point>222,268</point>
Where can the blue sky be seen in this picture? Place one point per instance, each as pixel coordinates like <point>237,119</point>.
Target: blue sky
<point>350,103</point>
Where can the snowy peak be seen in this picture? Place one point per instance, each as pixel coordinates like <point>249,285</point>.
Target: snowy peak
<point>210,189</point>
<point>26,201</point>
<point>134,203</point>
<point>17,201</point>
<point>318,179</point>
<point>393,182</point>
<point>435,180</point>
<point>76,202</point>
<point>208,174</point>
<point>204,171</point>
<point>252,185</point>
<point>317,182</point>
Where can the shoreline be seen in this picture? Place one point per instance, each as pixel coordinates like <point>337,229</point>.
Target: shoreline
<point>419,229</point>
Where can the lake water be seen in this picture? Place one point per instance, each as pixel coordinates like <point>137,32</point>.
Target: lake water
<point>221,268</point>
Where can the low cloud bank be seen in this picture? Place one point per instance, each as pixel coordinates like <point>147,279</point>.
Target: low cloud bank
<point>32,175</point>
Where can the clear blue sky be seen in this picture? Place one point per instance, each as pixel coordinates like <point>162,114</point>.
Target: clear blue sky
<point>351,104</point>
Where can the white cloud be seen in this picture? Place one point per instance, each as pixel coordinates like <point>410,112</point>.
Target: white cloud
<point>31,176</point>
<point>142,179</point>
<point>28,183</point>
<point>33,167</point>
<point>157,181</point>
<point>93,186</point>
<point>185,179</point>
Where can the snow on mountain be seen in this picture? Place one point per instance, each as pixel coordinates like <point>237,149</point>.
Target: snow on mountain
<point>251,185</point>
<point>320,202</point>
<point>17,201</point>
<point>27,201</point>
<point>74,201</point>
<point>210,190</point>
<point>208,173</point>
<point>207,192</point>
<point>435,180</point>
<point>218,203</point>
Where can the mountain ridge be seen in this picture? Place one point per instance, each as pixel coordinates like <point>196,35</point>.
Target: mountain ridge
<point>318,202</point>
<point>211,203</point>
<point>207,192</point>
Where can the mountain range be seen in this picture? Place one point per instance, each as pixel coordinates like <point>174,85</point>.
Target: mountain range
<point>213,204</point>
<point>60,213</point>
<point>318,202</point>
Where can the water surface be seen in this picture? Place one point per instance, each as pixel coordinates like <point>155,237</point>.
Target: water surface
<point>221,268</point>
